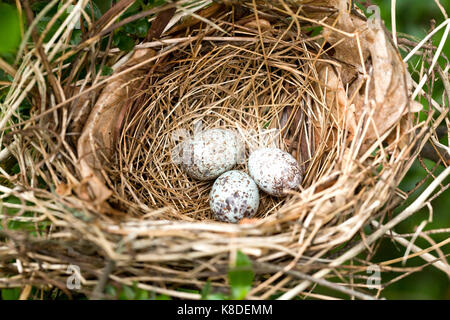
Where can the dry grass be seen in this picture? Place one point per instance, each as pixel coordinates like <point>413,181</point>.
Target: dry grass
<point>222,83</point>
<point>253,68</point>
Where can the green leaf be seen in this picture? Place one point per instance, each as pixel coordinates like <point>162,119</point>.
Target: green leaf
<point>137,28</point>
<point>188,290</point>
<point>142,27</point>
<point>123,41</point>
<point>9,28</point>
<point>95,10</point>
<point>154,3</point>
<point>103,5</point>
<point>38,6</point>
<point>134,8</point>
<point>127,293</point>
<point>163,297</point>
<point>141,294</point>
<point>107,71</point>
<point>75,39</point>
<point>206,290</point>
<point>130,28</point>
<point>9,57</point>
<point>110,290</point>
<point>241,276</point>
<point>10,294</point>
<point>42,24</point>
<point>216,296</point>
<point>66,12</point>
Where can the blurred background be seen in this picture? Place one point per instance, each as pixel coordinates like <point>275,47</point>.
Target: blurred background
<point>414,17</point>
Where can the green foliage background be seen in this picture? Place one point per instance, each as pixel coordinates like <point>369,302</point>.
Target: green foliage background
<point>413,18</point>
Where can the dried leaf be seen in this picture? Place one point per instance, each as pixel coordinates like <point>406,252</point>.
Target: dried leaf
<point>63,189</point>
<point>263,24</point>
<point>81,109</point>
<point>96,143</point>
<point>386,98</point>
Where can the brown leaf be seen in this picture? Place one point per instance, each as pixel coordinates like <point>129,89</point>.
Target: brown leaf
<point>386,99</point>
<point>159,24</point>
<point>263,24</point>
<point>192,21</point>
<point>96,143</point>
<point>81,109</point>
<point>63,189</point>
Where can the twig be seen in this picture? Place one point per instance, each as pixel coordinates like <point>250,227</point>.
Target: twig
<point>7,68</point>
<point>97,293</point>
<point>133,18</point>
<point>414,207</point>
<point>435,231</point>
<point>322,282</point>
<point>110,14</point>
<point>25,292</point>
<point>435,153</point>
<point>160,23</point>
<point>411,43</point>
<point>172,293</point>
<point>57,90</point>
<point>425,256</point>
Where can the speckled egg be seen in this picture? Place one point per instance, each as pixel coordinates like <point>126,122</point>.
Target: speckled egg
<point>209,154</point>
<point>274,171</point>
<point>234,196</point>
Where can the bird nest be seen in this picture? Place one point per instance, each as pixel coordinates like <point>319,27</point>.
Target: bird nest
<point>99,180</point>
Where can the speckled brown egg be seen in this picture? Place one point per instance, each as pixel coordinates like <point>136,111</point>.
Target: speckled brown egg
<point>234,196</point>
<point>209,154</point>
<point>274,171</point>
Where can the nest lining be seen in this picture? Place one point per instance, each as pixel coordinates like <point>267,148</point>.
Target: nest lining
<point>225,82</point>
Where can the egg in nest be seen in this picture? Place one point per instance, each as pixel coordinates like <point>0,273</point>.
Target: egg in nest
<point>210,153</point>
<point>274,171</point>
<point>234,196</point>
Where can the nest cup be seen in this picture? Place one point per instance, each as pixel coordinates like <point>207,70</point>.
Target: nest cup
<point>318,81</point>
<point>216,80</point>
<point>252,70</point>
